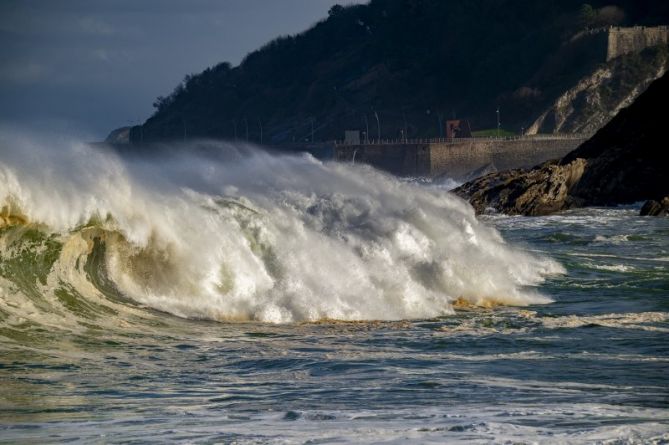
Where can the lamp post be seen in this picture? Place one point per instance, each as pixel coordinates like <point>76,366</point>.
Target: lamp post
<point>378,126</point>
<point>499,125</point>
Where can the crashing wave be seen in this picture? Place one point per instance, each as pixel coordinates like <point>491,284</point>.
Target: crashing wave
<point>223,232</point>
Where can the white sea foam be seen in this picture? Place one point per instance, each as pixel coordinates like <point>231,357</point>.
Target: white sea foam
<point>558,423</point>
<point>242,234</point>
<point>610,267</point>
<point>615,239</point>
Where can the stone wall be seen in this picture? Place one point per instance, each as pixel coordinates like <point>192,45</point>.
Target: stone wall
<point>397,158</point>
<point>460,159</point>
<point>635,39</point>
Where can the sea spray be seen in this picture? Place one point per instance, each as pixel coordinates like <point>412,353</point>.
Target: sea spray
<point>229,232</point>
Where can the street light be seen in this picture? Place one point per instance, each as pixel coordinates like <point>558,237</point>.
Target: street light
<point>499,125</point>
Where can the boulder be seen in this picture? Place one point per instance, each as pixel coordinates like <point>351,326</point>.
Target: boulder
<point>656,208</point>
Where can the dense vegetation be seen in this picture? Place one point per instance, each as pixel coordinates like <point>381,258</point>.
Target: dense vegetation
<point>411,63</point>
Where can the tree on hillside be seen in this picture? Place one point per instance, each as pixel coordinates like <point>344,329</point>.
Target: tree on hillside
<point>610,15</point>
<point>588,15</point>
<point>335,10</point>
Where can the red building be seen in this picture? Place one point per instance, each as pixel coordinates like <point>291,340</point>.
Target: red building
<point>458,129</point>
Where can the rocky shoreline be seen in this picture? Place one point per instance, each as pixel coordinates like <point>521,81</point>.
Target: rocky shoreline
<point>624,162</point>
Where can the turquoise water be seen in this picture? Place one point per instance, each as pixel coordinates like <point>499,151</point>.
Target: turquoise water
<point>589,368</point>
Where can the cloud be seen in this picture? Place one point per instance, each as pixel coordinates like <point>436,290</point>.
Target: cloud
<point>95,26</point>
<point>110,55</point>
<point>102,62</point>
<point>22,72</point>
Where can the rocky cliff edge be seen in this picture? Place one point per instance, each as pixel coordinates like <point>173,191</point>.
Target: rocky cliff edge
<point>625,162</point>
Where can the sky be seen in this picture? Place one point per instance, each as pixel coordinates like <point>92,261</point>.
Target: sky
<point>89,66</point>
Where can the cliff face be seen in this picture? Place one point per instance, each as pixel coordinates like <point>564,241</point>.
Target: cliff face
<point>624,162</point>
<point>600,95</point>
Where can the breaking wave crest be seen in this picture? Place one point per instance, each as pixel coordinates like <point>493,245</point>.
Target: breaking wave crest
<point>223,232</point>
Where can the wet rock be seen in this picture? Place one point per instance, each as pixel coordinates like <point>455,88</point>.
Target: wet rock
<point>540,191</point>
<point>656,208</point>
<point>482,171</point>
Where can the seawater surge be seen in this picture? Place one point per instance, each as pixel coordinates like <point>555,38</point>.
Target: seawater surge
<point>228,232</point>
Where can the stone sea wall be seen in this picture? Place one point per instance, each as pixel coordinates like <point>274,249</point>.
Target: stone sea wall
<point>459,159</point>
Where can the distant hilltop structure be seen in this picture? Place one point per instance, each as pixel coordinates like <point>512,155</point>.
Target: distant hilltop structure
<point>616,41</point>
<point>621,41</point>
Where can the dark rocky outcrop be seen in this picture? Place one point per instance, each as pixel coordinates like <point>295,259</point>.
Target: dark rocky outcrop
<point>656,208</point>
<point>625,162</point>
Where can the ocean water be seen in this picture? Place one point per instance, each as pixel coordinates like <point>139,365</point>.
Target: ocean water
<point>232,296</point>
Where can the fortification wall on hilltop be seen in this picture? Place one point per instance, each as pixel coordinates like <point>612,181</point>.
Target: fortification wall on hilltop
<point>623,41</point>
